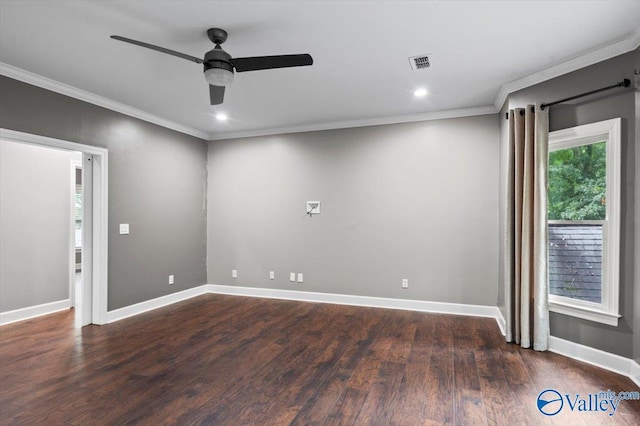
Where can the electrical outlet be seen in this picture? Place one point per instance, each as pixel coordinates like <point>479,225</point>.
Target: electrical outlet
<point>170,279</point>
<point>292,277</point>
<point>272,275</point>
<point>405,283</point>
<point>124,229</point>
<point>300,277</point>
<point>234,273</point>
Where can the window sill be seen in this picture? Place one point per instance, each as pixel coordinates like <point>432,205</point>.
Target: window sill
<point>585,313</point>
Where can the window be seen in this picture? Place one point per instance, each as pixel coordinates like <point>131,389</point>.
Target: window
<point>584,221</point>
<point>78,215</point>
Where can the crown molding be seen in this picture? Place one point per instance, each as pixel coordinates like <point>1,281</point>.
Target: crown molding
<point>631,42</point>
<point>333,125</point>
<point>64,89</point>
<point>73,92</point>
<point>594,56</point>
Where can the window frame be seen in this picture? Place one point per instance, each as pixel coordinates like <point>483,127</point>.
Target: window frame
<point>609,131</point>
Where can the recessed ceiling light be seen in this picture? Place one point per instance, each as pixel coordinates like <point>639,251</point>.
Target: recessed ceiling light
<point>221,117</point>
<point>420,93</point>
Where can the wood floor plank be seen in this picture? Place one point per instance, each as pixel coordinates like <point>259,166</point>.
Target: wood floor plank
<point>468,402</point>
<point>439,383</point>
<point>501,404</point>
<point>228,360</point>
<point>347,407</point>
<point>329,388</point>
<point>380,404</point>
<point>410,410</point>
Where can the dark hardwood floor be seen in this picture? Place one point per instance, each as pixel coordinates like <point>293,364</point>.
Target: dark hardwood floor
<point>224,360</point>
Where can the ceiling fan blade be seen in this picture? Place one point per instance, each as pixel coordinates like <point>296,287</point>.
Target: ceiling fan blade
<point>216,94</point>
<point>159,49</point>
<point>267,62</point>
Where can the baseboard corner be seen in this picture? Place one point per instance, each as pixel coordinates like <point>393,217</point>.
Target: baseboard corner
<point>158,302</point>
<point>634,374</point>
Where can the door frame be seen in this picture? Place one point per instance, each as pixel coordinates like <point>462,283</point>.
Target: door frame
<point>95,242</point>
<point>74,165</point>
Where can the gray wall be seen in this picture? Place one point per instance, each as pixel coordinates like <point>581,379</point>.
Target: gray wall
<point>157,180</point>
<point>416,201</point>
<point>35,220</point>
<point>620,103</point>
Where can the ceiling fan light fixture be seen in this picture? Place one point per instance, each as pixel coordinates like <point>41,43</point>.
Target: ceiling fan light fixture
<point>219,77</point>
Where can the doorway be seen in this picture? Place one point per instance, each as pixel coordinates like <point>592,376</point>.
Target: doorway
<point>75,238</point>
<point>90,296</point>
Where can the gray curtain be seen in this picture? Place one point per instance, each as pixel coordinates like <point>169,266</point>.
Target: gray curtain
<point>527,242</point>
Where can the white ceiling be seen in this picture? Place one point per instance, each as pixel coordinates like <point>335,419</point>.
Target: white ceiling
<point>361,73</point>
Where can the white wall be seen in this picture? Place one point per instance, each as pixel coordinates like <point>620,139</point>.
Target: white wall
<point>414,200</point>
<point>35,217</point>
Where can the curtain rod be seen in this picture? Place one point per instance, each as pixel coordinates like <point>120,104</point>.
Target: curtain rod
<point>624,83</point>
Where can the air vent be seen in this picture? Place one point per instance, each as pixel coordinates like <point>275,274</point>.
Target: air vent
<point>419,62</point>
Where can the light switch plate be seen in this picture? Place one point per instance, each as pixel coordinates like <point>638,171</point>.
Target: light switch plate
<point>124,229</point>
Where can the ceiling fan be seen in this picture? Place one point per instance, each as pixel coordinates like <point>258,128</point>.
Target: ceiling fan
<point>219,65</point>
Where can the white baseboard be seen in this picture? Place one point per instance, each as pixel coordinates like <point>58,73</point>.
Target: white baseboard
<point>353,300</point>
<point>33,311</point>
<point>635,373</point>
<point>159,302</point>
<point>608,361</point>
<point>307,296</point>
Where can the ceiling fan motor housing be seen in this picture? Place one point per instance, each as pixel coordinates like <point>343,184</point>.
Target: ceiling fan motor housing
<point>217,58</point>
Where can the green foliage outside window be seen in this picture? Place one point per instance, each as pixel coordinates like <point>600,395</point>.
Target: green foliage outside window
<point>78,206</point>
<point>577,183</point>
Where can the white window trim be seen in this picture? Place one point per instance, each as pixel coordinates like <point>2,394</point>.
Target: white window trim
<point>606,312</point>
